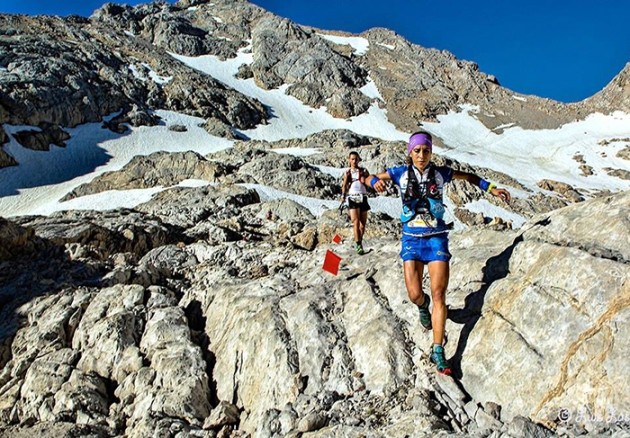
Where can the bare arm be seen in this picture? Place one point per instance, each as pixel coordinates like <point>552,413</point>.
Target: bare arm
<point>344,184</point>
<point>476,181</point>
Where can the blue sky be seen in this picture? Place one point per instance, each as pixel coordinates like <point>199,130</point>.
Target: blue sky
<point>564,50</point>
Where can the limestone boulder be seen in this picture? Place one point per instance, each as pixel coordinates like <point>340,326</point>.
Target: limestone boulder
<point>557,316</point>
<point>157,169</point>
<point>84,232</point>
<point>16,240</point>
<point>41,140</point>
<point>201,209</point>
<point>281,171</point>
<point>564,189</point>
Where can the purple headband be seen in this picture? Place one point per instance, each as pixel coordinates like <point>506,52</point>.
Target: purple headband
<point>418,139</point>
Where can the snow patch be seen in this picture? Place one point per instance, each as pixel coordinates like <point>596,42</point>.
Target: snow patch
<point>533,155</point>
<point>506,125</point>
<point>193,183</point>
<point>370,90</point>
<point>297,152</point>
<point>359,44</point>
<point>387,46</point>
<point>108,200</point>
<point>161,80</point>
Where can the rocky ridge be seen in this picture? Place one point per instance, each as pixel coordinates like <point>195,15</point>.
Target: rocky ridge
<point>119,61</point>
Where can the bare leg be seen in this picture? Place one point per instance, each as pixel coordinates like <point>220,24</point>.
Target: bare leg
<point>439,273</point>
<point>413,271</point>
<point>362,221</point>
<point>356,224</point>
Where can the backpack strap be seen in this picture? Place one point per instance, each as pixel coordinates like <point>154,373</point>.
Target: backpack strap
<point>363,172</point>
<point>413,188</point>
<point>432,189</point>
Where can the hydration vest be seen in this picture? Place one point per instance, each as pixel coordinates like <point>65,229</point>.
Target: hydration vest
<point>350,181</point>
<point>362,173</point>
<point>421,197</point>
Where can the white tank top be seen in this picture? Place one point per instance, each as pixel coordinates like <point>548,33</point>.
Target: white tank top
<point>357,187</point>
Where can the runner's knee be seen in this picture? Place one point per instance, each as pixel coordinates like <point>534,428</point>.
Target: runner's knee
<point>415,295</point>
<point>439,296</point>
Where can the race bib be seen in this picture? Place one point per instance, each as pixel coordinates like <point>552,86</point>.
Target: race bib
<point>358,198</point>
<point>423,221</point>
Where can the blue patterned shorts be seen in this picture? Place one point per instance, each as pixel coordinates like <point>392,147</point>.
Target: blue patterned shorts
<point>425,249</point>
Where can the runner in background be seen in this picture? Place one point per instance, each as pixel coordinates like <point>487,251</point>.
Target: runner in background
<point>353,189</point>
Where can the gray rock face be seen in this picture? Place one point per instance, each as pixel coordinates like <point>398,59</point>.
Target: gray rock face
<point>206,312</point>
<point>190,28</point>
<point>15,240</point>
<point>331,140</point>
<point>419,83</point>
<point>35,54</point>
<point>102,235</point>
<point>286,172</point>
<point>348,103</point>
<point>102,71</point>
<point>144,325</point>
<point>187,208</point>
<point>616,94</point>
<point>158,169</point>
<point>286,54</point>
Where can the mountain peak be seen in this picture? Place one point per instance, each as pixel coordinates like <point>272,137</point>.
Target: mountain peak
<point>616,95</point>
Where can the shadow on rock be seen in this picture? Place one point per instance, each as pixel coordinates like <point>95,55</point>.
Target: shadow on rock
<point>34,268</point>
<point>83,154</point>
<point>496,268</point>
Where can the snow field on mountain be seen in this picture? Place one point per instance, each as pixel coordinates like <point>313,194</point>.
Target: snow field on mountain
<point>42,178</point>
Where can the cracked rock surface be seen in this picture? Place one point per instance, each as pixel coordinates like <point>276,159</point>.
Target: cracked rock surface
<point>125,323</point>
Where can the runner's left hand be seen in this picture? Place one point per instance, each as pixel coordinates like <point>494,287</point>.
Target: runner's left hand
<point>501,193</point>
